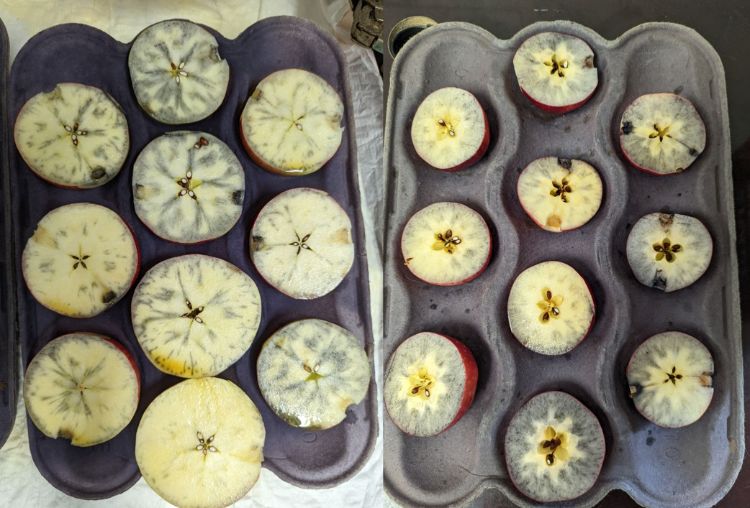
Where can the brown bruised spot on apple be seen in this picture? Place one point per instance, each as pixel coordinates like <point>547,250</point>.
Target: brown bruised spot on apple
<point>554,448</point>
<point>73,136</point>
<point>560,194</point>
<point>446,244</point>
<point>81,260</point>
<point>450,130</point>
<point>662,133</point>
<point>82,387</point>
<point>291,123</point>
<point>430,382</point>
<point>550,308</point>
<point>556,71</point>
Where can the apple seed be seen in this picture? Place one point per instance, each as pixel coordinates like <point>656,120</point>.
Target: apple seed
<point>204,445</point>
<point>421,382</point>
<point>557,66</point>
<point>550,306</point>
<point>446,241</point>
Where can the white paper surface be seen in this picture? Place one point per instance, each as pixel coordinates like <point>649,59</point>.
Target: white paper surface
<point>21,485</point>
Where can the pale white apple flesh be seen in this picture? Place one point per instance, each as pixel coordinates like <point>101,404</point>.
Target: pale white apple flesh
<point>450,130</point>
<point>668,251</point>
<point>670,377</point>
<point>554,448</point>
<point>550,308</point>
<point>291,123</point>
<point>200,443</point>
<point>188,187</point>
<point>177,73</point>
<point>301,243</point>
<point>556,71</point>
<point>73,136</point>
<point>560,194</point>
<point>310,371</point>
<point>82,387</point>
<point>81,259</point>
<point>662,133</point>
<point>446,244</point>
<point>195,315</point>
<point>430,382</point>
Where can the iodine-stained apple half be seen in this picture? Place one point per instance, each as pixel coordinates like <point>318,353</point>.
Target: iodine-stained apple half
<point>291,123</point>
<point>430,382</point>
<point>556,71</point>
<point>554,448</point>
<point>668,251</point>
<point>188,187</point>
<point>177,73</point>
<point>311,371</point>
<point>662,133</point>
<point>450,130</point>
<point>82,387</point>
<point>301,243</point>
<point>560,194</point>
<point>81,259</point>
<point>73,136</point>
<point>550,308</point>
<point>200,443</point>
<point>195,315</point>
<point>670,377</point>
<point>446,244</point>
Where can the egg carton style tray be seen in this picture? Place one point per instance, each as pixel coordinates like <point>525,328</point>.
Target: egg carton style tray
<point>692,466</point>
<point>79,53</point>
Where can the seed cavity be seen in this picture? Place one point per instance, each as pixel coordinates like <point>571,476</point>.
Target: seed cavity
<point>314,375</point>
<point>205,445</point>
<point>666,250</point>
<point>446,241</point>
<point>74,132</point>
<point>549,305</point>
<point>301,243</point>
<point>447,127</point>
<point>557,65</point>
<point>188,184</point>
<point>660,132</point>
<point>193,313</point>
<point>561,189</point>
<point>673,376</point>
<point>80,259</point>
<point>177,71</point>
<point>553,446</point>
<point>421,382</point>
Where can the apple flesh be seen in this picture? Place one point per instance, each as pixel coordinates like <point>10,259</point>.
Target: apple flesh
<point>550,308</point>
<point>662,133</point>
<point>554,448</point>
<point>450,130</point>
<point>556,71</point>
<point>430,382</point>
<point>82,387</point>
<point>291,123</point>
<point>195,315</point>
<point>560,194</point>
<point>177,73</point>
<point>200,443</point>
<point>311,371</point>
<point>73,136</point>
<point>188,187</point>
<point>446,244</point>
<point>81,260</point>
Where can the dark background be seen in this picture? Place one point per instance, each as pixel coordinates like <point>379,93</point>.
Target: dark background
<point>724,23</point>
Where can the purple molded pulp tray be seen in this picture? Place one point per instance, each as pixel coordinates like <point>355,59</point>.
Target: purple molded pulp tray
<point>80,53</point>
<point>691,466</point>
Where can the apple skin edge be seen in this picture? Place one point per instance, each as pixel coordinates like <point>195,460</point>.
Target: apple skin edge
<point>130,358</point>
<point>641,168</point>
<point>557,110</point>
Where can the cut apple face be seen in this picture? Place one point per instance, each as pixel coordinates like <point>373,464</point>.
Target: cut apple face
<point>82,387</point>
<point>74,136</point>
<point>81,259</point>
<point>188,187</point>
<point>430,383</point>
<point>669,251</point>
<point>200,443</point>
<point>195,315</point>
<point>450,130</point>
<point>560,194</point>
<point>301,243</point>
<point>662,133</point>
<point>446,244</point>
<point>311,371</point>
<point>554,448</point>
<point>291,124</point>
<point>670,377</point>
<point>177,73</point>
<point>556,71</point>
<point>550,308</point>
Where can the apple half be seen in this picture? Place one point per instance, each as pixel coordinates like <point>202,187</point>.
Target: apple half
<point>83,387</point>
<point>81,260</point>
<point>73,136</point>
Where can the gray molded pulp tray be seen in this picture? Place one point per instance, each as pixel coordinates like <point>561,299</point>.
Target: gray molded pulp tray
<point>692,466</point>
<point>84,54</point>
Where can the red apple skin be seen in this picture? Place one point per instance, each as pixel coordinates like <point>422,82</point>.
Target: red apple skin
<point>127,355</point>
<point>641,168</point>
<point>558,110</point>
